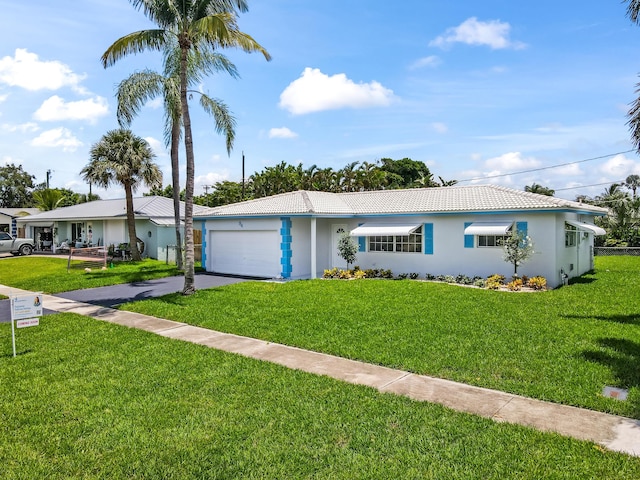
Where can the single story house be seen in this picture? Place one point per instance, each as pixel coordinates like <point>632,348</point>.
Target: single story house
<point>104,223</point>
<point>9,216</point>
<point>439,231</point>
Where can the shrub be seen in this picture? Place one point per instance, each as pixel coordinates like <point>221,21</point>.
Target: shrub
<point>386,274</point>
<point>359,274</point>
<point>494,282</point>
<point>515,285</point>
<point>450,279</point>
<point>402,276</point>
<point>428,276</point>
<point>478,282</point>
<point>330,273</point>
<point>537,283</point>
<point>413,276</point>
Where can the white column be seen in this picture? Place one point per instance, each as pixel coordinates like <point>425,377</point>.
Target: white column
<point>313,247</point>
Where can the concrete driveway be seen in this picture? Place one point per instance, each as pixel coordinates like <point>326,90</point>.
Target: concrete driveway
<point>117,294</point>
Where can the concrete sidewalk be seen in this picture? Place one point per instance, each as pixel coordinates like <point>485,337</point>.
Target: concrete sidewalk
<point>610,431</point>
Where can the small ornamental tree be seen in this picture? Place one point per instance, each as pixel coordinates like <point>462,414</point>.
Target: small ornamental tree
<point>347,248</point>
<point>517,248</point>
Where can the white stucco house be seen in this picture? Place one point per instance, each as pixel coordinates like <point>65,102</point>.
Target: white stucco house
<point>104,223</point>
<point>440,231</point>
<point>9,216</point>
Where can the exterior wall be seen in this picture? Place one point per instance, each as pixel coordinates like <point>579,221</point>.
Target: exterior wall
<point>447,252</point>
<point>115,232</point>
<point>574,260</point>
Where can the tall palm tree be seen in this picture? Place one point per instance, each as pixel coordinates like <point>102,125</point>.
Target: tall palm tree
<point>140,87</point>
<point>193,24</point>
<point>120,157</point>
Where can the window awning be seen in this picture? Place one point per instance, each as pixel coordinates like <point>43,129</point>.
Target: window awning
<point>382,229</point>
<point>588,226</point>
<point>488,228</point>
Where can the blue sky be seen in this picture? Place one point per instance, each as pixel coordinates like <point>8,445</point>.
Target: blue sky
<point>476,90</point>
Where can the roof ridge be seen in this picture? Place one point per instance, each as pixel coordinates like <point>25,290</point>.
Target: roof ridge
<point>307,201</point>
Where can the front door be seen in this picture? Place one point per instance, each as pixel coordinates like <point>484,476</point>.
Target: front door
<point>336,232</point>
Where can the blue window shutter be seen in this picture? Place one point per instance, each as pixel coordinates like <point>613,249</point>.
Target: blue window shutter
<point>468,239</point>
<point>362,243</point>
<point>428,238</point>
<point>522,227</point>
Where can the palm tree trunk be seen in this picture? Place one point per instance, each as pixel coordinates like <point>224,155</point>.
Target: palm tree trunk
<point>175,182</point>
<point>189,271</point>
<point>131,223</point>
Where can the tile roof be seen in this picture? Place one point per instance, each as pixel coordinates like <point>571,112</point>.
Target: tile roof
<point>472,198</point>
<point>145,207</point>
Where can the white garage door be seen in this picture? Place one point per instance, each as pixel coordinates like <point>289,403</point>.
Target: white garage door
<point>248,252</point>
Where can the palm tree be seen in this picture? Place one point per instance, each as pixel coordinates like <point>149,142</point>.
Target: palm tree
<point>47,199</point>
<point>193,24</point>
<point>140,87</point>
<point>632,182</point>
<point>539,189</point>
<point>120,157</point>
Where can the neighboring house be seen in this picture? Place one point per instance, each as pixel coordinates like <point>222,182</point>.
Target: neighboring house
<point>9,216</point>
<point>440,231</point>
<point>104,223</point>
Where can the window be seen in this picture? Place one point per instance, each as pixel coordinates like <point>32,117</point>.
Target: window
<point>397,243</point>
<point>491,240</point>
<point>5,236</point>
<point>570,235</point>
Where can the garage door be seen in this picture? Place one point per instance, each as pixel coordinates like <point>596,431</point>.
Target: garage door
<point>248,252</point>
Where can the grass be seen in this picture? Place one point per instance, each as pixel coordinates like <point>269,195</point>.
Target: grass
<point>563,345</point>
<point>87,399</point>
<point>49,274</point>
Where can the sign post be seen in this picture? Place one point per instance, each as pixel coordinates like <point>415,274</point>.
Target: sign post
<point>26,311</point>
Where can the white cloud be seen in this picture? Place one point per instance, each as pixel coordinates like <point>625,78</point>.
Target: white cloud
<point>27,71</point>
<point>282,132</point>
<point>23,128</point>
<point>157,146</point>
<point>511,162</point>
<point>57,137</point>
<point>315,91</point>
<point>619,168</point>
<point>431,61</point>
<point>440,127</point>
<point>210,179</point>
<point>55,108</point>
<point>493,33</point>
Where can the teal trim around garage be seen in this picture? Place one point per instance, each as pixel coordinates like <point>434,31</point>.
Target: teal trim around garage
<point>204,245</point>
<point>285,247</point>
<point>468,239</point>
<point>428,238</point>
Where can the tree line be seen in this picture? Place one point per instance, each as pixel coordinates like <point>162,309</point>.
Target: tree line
<point>18,189</point>
<point>383,174</point>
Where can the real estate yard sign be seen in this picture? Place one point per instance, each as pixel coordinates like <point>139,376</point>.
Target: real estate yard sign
<point>26,311</point>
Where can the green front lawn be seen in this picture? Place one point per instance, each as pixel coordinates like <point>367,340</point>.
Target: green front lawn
<point>563,345</point>
<point>88,399</point>
<point>49,274</point>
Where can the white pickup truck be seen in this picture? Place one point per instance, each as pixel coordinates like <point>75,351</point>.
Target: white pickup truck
<point>16,246</point>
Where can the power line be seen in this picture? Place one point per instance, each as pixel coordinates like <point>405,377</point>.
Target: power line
<point>587,186</point>
<point>546,168</point>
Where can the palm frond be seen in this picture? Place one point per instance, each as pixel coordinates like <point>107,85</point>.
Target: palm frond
<point>135,42</point>
<point>136,90</point>
<point>224,121</point>
<point>633,10</point>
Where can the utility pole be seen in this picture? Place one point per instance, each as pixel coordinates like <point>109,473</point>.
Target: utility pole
<point>48,177</point>
<point>242,199</point>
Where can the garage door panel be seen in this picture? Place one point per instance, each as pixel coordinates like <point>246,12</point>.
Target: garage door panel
<point>246,252</point>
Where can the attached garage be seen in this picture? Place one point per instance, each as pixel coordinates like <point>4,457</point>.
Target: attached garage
<point>245,252</point>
